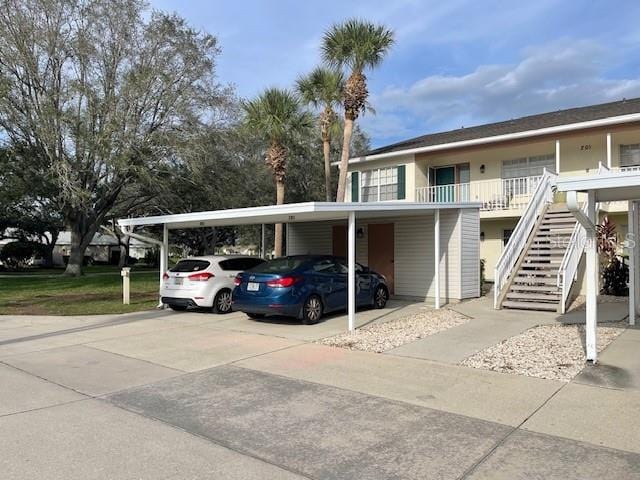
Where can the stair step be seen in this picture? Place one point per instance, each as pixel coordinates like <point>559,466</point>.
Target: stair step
<point>538,264</point>
<point>545,297</point>
<point>556,226</point>
<point>539,261</point>
<point>547,252</point>
<point>556,220</point>
<point>554,232</point>
<point>535,280</point>
<point>550,307</point>
<point>534,288</point>
<point>538,273</point>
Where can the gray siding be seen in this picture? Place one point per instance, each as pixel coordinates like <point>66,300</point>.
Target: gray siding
<point>470,253</point>
<point>414,252</point>
<point>414,256</point>
<point>309,238</point>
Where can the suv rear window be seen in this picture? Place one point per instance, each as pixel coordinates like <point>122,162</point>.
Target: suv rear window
<point>190,266</point>
<point>240,264</point>
<point>279,265</point>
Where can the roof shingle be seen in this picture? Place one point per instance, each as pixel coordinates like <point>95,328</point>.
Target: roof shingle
<point>531,122</point>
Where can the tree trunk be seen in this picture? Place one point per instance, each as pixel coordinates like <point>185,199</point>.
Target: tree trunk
<point>278,229</point>
<point>326,148</point>
<point>48,250</point>
<point>124,251</point>
<point>80,240</point>
<point>344,159</point>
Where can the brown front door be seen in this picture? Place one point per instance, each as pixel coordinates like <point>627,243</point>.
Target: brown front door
<point>381,248</point>
<point>340,241</point>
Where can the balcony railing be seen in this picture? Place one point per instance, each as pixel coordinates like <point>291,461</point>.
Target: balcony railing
<point>498,194</point>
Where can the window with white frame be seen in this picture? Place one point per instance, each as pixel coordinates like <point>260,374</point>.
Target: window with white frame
<point>630,155</point>
<point>379,185</point>
<point>528,166</point>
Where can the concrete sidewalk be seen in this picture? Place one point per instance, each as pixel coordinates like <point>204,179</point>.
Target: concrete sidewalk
<point>175,396</point>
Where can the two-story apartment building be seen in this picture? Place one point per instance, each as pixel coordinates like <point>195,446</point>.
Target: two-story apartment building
<point>501,164</point>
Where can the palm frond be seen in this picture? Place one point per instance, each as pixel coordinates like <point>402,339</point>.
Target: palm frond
<point>356,44</point>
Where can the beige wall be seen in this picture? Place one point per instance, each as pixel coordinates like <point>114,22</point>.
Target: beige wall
<point>491,247</point>
<point>580,154</point>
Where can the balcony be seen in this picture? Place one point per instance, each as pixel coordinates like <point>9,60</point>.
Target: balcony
<point>498,194</point>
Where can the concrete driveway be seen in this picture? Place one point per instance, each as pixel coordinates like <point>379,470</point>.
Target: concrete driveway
<point>159,395</point>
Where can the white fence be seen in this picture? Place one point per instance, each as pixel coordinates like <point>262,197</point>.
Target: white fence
<point>498,194</point>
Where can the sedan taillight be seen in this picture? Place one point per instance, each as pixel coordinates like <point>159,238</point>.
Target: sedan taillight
<point>165,276</point>
<point>283,282</point>
<point>237,281</point>
<point>200,277</point>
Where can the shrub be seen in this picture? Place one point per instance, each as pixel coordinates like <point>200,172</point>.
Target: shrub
<point>16,254</point>
<point>615,278</point>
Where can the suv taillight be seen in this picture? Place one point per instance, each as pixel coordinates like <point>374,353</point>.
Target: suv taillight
<point>283,282</point>
<point>165,276</point>
<point>200,277</point>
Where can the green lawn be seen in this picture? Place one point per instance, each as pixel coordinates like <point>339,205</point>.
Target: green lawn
<point>88,269</point>
<point>90,294</point>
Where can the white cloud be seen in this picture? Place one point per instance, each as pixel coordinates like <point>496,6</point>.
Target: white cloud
<point>557,75</point>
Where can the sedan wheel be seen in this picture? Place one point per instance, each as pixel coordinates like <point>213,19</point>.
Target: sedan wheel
<point>222,302</point>
<point>312,310</point>
<point>380,298</point>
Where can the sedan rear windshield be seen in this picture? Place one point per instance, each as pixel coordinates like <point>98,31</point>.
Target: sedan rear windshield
<point>279,265</point>
<point>240,264</point>
<point>190,266</point>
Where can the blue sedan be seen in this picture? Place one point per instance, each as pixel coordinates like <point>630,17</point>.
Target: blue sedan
<point>305,287</point>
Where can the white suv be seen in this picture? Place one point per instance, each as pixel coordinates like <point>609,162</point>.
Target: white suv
<point>204,282</point>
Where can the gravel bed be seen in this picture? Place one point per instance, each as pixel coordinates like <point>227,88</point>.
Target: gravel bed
<point>554,352</point>
<point>381,337</point>
<point>580,303</point>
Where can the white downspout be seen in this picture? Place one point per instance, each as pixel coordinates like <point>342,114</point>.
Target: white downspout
<point>436,244</point>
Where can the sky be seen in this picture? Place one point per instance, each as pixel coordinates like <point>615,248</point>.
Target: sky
<point>455,63</point>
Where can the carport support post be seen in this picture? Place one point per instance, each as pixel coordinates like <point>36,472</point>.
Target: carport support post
<point>263,252</point>
<point>592,281</point>
<point>633,260</point>
<point>351,276</point>
<point>164,254</point>
<point>436,261</point>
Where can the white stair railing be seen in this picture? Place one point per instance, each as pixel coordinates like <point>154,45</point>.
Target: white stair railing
<point>568,270</point>
<point>542,195</point>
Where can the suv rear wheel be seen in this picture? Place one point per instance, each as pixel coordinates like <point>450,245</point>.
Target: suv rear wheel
<point>222,301</point>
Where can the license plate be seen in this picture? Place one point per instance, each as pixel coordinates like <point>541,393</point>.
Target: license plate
<point>177,281</point>
<point>253,287</point>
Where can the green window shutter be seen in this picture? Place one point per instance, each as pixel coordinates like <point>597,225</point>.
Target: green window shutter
<point>402,182</point>
<point>355,186</point>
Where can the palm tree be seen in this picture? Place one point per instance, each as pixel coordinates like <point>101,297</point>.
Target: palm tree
<point>357,45</point>
<point>276,116</point>
<point>323,89</point>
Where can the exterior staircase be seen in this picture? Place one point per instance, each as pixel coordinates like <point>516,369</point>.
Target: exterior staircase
<point>533,285</point>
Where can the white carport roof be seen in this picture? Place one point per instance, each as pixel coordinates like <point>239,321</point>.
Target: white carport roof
<point>605,187</point>
<point>290,213</point>
<point>300,212</point>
